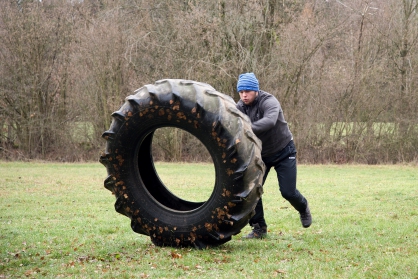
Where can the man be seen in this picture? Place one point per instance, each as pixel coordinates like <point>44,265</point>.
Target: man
<point>278,149</point>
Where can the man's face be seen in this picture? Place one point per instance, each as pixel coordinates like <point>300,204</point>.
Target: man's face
<point>248,96</point>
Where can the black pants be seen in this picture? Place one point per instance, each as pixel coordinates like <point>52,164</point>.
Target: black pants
<point>284,162</point>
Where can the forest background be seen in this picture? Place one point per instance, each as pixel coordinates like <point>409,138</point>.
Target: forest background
<point>345,72</point>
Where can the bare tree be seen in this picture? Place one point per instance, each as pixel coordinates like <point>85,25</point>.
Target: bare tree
<point>33,65</point>
<point>344,71</point>
<point>404,39</point>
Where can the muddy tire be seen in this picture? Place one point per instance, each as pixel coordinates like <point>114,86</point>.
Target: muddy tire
<point>140,194</point>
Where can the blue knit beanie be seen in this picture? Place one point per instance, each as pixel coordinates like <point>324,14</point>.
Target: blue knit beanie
<point>247,81</point>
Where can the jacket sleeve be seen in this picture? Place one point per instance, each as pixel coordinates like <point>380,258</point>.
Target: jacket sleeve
<point>271,109</point>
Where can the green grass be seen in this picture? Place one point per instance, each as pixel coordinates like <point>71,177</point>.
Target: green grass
<point>58,221</point>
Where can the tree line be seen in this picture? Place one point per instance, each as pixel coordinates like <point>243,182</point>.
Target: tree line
<point>345,72</point>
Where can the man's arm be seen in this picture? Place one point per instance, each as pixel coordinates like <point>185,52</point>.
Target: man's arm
<point>271,108</point>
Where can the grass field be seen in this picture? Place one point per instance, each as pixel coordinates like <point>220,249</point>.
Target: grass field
<point>58,221</point>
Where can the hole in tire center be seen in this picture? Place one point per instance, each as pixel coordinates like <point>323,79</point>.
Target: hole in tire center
<point>183,164</point>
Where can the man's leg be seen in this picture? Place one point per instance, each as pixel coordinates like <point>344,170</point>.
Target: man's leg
<point>286,170</point>
<point>258,217</point>
<point>257,222</point>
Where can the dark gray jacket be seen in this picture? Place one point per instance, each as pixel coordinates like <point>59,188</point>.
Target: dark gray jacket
<point>267,122</point>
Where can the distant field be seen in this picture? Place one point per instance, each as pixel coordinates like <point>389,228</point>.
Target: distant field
<point>58,221</point>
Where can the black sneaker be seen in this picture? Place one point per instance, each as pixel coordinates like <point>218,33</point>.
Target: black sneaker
<point>306,218</point>
<point>257,232</point>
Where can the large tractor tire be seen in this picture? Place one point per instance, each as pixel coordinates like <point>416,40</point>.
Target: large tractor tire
<point>142,196</point>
